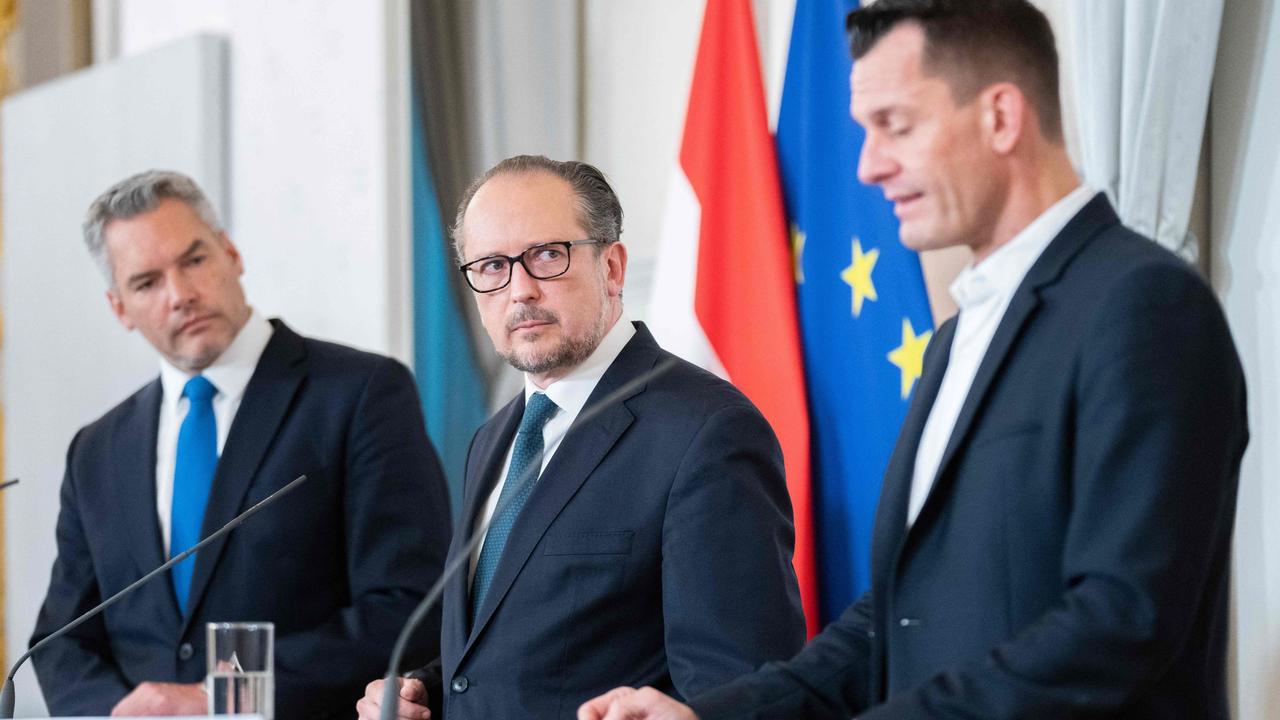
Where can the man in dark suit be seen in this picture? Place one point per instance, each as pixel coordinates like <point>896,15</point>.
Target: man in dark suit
<point>1053,538</point>
<point>635,520</point>
<point>242,406</point>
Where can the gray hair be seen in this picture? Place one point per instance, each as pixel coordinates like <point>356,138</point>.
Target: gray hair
<point>599,211</point>
<point>134,196</point>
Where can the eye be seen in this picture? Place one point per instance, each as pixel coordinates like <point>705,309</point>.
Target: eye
<point>491,266</point>
<point>143,285</point>
<point>547,253</point>
<point>197,259</point>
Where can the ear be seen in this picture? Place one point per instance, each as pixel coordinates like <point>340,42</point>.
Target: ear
<point>117,308</point>
<point>615,259</point>
<point>1004,116</point>
<point>232,251</point>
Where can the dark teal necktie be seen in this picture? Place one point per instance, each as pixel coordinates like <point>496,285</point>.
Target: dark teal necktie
<point>192,478</point>
<point>522,475</point>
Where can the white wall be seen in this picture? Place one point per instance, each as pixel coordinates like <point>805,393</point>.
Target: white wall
<point>637,75</point>
<point>1245,232</point>
<point>318,171</point>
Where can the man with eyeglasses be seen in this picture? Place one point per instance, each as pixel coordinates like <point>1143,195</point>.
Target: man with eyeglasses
<point>635,521</point>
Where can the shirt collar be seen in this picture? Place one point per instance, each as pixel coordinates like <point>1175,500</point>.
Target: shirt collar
<point>231,372</point>
<point>1003,270</point>
<point>570,392</point>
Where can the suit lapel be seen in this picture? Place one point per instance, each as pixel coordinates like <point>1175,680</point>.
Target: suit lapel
<point>1095,216</point>
<point>266,402</point>
<point>483,465</point>
<point>592,435</point>
<point>134,479</point>
<point>891,520</point>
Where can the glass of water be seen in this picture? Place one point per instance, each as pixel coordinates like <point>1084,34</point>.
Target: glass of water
<point>241,662</point>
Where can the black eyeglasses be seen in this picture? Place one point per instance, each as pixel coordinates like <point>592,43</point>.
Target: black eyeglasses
<point>542,262</point>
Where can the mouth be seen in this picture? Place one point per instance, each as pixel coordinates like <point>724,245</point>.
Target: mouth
<point>530,319</point>
<point>902,203</point>
<point>529,325</point>
<point>195,324</point>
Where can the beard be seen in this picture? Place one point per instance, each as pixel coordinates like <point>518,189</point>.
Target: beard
<point>566,354</point>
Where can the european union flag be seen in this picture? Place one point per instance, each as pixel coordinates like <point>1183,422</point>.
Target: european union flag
<point>864,315</point>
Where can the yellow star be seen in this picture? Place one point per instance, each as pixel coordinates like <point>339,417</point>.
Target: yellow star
<point>909,356</point>
<point>797,253</point>
<point>858,275</point>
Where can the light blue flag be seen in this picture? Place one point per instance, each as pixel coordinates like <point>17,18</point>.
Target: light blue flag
<point>452,387</point>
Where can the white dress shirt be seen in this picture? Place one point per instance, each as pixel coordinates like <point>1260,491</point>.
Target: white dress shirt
<point>230,374</point>
<point>570,394</point>
<point>983,293</point>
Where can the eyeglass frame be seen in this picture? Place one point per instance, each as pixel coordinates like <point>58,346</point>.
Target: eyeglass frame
<point>513,259</point>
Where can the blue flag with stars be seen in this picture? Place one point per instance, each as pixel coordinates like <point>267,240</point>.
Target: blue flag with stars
<point>864,315</point>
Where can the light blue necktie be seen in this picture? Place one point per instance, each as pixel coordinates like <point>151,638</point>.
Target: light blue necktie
<point>192,478</point>
<point>526,465</point>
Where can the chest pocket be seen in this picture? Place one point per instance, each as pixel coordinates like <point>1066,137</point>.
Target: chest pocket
<point>589,543</point>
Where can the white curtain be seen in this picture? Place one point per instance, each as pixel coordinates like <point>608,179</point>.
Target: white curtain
<point>1142,71</point>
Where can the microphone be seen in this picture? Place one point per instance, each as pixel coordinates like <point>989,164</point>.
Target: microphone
<point>8,695</point>
<point>8,483</point>
<point>390,689</point>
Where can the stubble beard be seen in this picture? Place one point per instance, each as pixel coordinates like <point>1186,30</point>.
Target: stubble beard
<point>567,354</point>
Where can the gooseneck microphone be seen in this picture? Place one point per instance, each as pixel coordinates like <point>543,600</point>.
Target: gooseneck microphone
<point>8,696</point>
<point>8,483</point>
<point>390,688</point>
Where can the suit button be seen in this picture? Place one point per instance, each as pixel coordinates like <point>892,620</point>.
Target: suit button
<point>459,684</point>
<point>185,651</point>
<point>908,622</point>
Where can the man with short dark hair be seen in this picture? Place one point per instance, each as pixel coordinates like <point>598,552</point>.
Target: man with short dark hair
<point>635,520</point>
<point>1053,537</point>
<point>242,406</point>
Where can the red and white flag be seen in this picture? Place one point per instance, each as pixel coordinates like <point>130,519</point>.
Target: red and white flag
<point>724,290</point>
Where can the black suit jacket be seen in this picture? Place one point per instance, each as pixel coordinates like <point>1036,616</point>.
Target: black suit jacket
<point>1072,558</point>
<point>655,549</point>
<point>337,564</point>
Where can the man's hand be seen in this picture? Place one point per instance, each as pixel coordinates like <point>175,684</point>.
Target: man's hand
<point>413,701</point>
<point>626,703</point>
<point>157,698</point>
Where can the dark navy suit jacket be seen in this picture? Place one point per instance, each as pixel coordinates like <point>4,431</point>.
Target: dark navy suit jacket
<point>337,565</point>
<point>655,549</point>
<point>1072,558</point>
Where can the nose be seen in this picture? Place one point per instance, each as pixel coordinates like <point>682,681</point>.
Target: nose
<point>523,287</point>
<point>874,164</point>
<point>181,290</point>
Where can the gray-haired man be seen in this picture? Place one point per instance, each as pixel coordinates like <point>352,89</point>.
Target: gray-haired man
<point>242,405</point>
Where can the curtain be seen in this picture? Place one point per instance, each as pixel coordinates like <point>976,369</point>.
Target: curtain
<point>1142,70</point>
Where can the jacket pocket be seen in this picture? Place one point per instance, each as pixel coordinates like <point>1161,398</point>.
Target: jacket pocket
<point>589,543</point>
